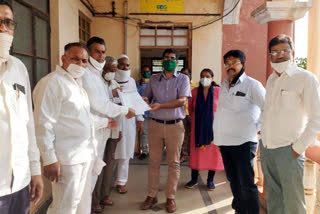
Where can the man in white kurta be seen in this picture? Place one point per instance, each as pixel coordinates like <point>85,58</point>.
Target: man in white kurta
<point>64,127</point>
<point>125,148</point>
<point>100,102</point>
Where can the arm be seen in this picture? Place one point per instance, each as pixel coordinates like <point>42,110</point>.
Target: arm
<point>99,102</point>
<point>47,105</point>
<point>311,101</point>
<point>258,97</point>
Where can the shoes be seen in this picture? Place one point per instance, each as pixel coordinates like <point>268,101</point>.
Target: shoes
<point>191,184</point>
<point>171,206</point>
<point>107,202</point>
<point>211,186</point>
<point>96,209</point>
<point>148,203</point>
<point>122,189</point>
<point>143,156</point>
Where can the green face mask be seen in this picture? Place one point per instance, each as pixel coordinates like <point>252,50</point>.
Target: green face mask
<point>146,75</point>
<point>169,65</point>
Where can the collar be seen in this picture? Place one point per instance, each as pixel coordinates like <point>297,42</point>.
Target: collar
<point>93,69</point>
<point>175,74</point>
<point>241,79</point>
<point>61,71</point>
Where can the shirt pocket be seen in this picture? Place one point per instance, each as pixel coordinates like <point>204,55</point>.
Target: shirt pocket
<point>290,99</point>
<point>240,103</point>
<point>19,104</point>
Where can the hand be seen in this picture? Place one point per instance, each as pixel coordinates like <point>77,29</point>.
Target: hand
<point>296,155</point>
<point>112,124</point>
<point>259,133</point>
<point>146,100</point>
<point>121,88</point>
<point>131,113</point>
<point>36,188</point>
<point>115,92</point>
<point>52,172</point>
<point>155,106</point>
<point>140,127</point>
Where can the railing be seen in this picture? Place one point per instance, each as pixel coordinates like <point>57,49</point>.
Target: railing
<point>311,180</point>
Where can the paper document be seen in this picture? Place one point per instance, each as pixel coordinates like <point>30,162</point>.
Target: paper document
<point>133,100</point>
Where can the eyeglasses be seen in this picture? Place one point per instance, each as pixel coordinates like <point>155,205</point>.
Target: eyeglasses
<point>9,23</point>
<point>283,51</point>
<point>171,58</point>
<point>232,64</point>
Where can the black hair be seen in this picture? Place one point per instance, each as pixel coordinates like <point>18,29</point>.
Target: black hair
<point>236,54</point>
<point>3,2</point>
<point>211,74</point>
<point>282,38</point>
<point>74,44</point>
<point>169,51</point>
<point>95,39</point>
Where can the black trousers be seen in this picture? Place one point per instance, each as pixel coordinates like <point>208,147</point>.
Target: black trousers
<point>195,175</point>
<point>16,203</point>
<point>238,164</point>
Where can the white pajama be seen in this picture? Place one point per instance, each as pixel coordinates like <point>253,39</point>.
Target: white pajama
<point>123,171</point>
<point>72,195</point>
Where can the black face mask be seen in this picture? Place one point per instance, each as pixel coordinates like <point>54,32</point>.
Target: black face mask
<point>236,78</point>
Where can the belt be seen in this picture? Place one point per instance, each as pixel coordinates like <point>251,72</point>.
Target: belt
<point>170,122</point>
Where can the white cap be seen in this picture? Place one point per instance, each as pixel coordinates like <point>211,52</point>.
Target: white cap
<point>123,56</point>
<point>114,62</point>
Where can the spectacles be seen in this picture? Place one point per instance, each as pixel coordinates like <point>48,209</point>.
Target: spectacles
<point>283,51</point>
<point>9,23</point>
<point>232,64</point>
<point>171,58</point>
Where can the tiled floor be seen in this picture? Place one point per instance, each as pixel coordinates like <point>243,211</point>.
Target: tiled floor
<point>194,201</point>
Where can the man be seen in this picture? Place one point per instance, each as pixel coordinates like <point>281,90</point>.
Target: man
<point>101,106</point>
<point>143,138</point>
<point>125,148</point>
<point>168,92</point>
<point>20,158</point>
<point>291,123</point>
<point>64,130</point>
<point>236,123</point>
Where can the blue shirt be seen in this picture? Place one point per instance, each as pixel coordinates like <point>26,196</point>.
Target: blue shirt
<point>141,88</point>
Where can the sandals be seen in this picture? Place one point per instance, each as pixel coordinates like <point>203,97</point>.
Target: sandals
<point>122,189</point>
<point>107,202</point>
<point>96,209</point>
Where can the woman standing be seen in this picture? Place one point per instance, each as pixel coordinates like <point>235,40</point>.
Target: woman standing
<point>204,155</point>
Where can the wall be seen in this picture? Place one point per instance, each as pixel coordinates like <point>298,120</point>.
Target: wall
<point>206,42</point>
<point>251,38</point>
<point>64,22</point>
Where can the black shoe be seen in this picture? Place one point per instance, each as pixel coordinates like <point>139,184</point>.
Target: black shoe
<point>211,186</point>
<point>143,156</point>
<point>191,184</point>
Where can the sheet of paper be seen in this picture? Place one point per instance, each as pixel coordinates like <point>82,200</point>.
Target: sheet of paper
<point>133,100</point>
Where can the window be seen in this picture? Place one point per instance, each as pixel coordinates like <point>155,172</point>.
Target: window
<point>164,36</point>
<point>84,28</point>
<point>31,42</point>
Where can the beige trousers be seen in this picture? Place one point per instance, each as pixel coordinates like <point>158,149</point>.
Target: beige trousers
<point>171,137</point>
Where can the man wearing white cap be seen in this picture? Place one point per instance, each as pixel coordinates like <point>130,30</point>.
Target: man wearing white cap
<point>125,148</point>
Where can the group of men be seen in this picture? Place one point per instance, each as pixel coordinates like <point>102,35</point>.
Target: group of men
<point>79,124</point>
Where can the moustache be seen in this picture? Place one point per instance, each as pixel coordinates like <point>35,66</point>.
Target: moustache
<point>231,69</point>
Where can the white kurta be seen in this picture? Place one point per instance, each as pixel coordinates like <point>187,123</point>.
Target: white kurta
<point>100,103</point>
<point>125,148</point>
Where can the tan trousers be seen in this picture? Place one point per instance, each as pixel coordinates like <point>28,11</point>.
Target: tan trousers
<point>170,136</point>
<point>103,186</point>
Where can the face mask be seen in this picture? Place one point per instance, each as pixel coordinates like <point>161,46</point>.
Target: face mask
<point>122,75</point>
<point>99,66</point>
<point>205,81</point>
<point>146,75</point>
<point>281,66</point>
<point>109,76</point>
<point>5,44</point>
<point>169,65</point>
<point>76,71</point>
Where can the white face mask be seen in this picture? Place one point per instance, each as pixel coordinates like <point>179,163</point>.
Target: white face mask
<point>76,71</point>
<point>109,76</point>
<point>5,44</point>
<point>281,66</point>
<point>122,75</point>
<point>205,81</point>
<point>97,65</point>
